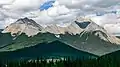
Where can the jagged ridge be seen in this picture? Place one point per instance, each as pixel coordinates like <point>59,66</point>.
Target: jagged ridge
<point>82,38</point>
<point>31,28</point>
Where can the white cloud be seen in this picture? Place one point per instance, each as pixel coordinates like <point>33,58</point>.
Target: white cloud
<point>14,9</point>
<point>54,15</point>
<point>5,2</point>
<point>113,28</point>
<point>110,21</point>
<point>23,4</point>
<point>105,19</point>
<point>63,11</point>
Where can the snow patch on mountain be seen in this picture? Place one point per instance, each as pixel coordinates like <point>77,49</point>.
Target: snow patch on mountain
<point>79,26</point>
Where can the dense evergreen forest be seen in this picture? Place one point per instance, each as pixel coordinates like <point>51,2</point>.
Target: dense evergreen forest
<point>105,61</point>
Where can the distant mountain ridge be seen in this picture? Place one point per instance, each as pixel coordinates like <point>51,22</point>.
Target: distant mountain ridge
<point>82,35</point>
<point>31,28</point>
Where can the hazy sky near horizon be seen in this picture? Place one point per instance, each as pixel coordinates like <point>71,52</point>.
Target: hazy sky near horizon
<point>61,11</point>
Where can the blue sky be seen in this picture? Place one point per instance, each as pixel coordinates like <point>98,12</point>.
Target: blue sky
<point>46,5</point>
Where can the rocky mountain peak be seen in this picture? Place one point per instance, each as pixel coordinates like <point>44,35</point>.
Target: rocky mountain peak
<point>91,27</point>
<point>81,26</point>
<point>23,25</point>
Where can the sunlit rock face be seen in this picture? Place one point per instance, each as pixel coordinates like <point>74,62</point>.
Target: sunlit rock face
<point>83,35</point>
<point>31,28</point>
<point>25,25</point>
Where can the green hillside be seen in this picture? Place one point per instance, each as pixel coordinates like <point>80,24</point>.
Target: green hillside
<point>23,41</point>
<point>88,42</point>
<point>47,50</point>
<point>5,39</point>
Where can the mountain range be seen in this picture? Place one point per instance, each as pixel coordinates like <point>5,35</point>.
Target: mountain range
<point>83,36</point>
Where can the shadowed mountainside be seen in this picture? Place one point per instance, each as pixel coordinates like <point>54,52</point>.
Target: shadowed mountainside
<point>88,42</point>
<point>47,50</point>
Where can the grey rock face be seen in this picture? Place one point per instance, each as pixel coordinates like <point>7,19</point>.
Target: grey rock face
<point>83,35</point>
